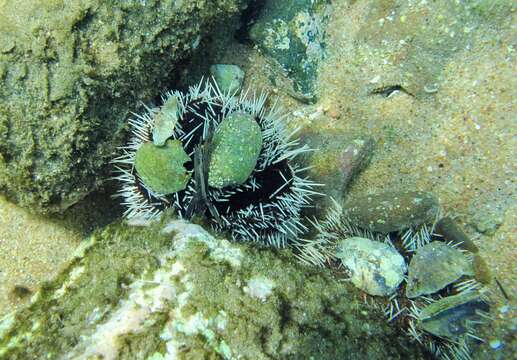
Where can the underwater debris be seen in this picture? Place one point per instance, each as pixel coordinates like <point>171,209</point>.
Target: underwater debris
<point>254,190</point>
<point>235,149</point>
<point>338,162</point>
<point>448,316</point>
<point>447,325</point>
<point>450,231</point>
<point>388,91</point>
<point>161,169</point>
<point>165,121</point>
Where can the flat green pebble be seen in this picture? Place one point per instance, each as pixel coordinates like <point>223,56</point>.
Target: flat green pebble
<point>161,168</point>
<point>235,149</point>
<point>229,78</point>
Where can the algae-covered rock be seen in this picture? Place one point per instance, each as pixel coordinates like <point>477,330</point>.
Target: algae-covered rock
<point>161,168</point>
<point>375,267</point>
<point>433,267</point>
<point>172,290</point>
<point>392,210</point>
<point>293,33</point>
<point>70,72</point>
<point>235,150</point>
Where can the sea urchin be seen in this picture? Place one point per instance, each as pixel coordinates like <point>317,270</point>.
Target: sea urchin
<point>234,165</point>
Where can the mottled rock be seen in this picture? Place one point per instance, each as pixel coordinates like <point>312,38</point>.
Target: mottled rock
<point>161,168</point>
<point>433,267</point>
<point>172,290</point>
<point>392,210</point>
<point>229,78</point>
<point>375,267</point>
<point>293,33</point>
<point>70,74</point>
<point>235,150</point>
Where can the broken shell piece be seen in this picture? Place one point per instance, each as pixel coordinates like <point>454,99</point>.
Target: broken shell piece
<point>165,121</point>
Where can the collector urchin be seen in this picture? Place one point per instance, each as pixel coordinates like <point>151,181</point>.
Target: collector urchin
<point>228,158</point>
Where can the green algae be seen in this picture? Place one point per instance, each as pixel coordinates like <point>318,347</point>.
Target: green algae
<point>235,149</point>
<point>294,317</point>
<point>161,168</point>
<point>96,290</point>
<point>71,73</point>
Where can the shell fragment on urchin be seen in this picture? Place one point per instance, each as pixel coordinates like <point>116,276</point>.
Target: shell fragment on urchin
<point>264,208</point>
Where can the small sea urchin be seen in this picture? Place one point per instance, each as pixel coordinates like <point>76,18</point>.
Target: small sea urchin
<point>262,205</point>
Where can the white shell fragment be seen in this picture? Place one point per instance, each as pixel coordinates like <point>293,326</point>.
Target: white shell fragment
<point>375,267</point>
<point>165,121</point>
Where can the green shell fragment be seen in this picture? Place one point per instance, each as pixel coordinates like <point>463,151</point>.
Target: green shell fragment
<point>235,149</point>
<point>229,78</point>
<point>449,317</point>
<point>165,121</point>
<point>433,267</point>
<point>161,168</point>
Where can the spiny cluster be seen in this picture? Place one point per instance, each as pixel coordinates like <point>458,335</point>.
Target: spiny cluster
<point>265,208</point>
